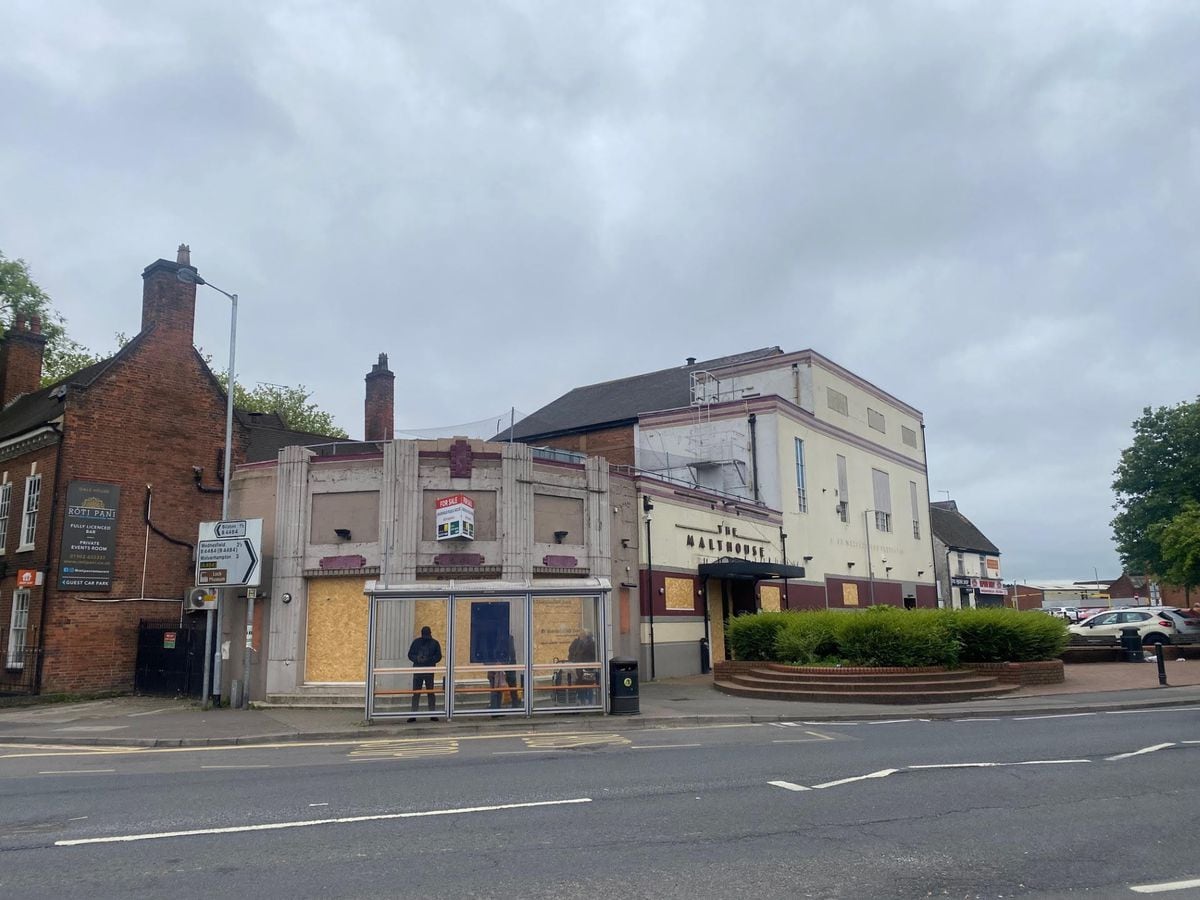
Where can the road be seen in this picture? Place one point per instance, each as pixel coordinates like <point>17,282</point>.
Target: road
<point>1036,806</point>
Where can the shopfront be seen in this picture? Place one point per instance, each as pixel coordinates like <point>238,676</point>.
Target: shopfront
<point>487,649</point>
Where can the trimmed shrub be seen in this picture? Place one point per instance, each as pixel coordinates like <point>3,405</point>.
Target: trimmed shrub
<point>1006,635</point>
<point>809,637</point>
<point>752,635</point>
<point>903,638</point>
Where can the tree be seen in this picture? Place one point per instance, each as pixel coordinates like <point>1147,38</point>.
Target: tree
<point>1158,474</point>
<point>292,404</point>
<point>1179,543</point>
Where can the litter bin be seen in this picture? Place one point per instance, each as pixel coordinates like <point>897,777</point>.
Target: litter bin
<point>1131,645</point>
<point>623,686</point>
<point>705,665</point>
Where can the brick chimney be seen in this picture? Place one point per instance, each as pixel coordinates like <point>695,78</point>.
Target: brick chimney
<point>168,303</point>
<point>381,402</point>
<point>21,358</point>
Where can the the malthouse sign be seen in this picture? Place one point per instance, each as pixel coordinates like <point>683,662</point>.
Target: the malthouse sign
<point>89,540</point>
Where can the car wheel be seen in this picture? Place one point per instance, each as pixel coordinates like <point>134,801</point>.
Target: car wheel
<point>1154,640</point>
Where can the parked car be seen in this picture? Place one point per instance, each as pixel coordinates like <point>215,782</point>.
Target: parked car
<point>1070,613</point>
<point>1155,625</point>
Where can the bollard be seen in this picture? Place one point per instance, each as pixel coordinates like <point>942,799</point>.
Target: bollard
<point>1162,667</point>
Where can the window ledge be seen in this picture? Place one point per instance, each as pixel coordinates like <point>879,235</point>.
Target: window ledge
<point>25,548</point>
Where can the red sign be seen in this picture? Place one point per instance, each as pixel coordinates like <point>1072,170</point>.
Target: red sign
<point>26,578</point>
<point>455,500</point>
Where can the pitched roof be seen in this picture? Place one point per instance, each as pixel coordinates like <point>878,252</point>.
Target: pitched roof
<point>267,434</point>
<point>619,402</point>
<point>955,530</point>
<point>43,406</point>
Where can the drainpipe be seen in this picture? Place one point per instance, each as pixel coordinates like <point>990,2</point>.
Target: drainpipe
<point>59,482</point>
<point>783,544</point>
<point>754,454</point>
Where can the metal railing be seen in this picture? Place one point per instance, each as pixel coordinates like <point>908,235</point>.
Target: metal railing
<point>19,671</point>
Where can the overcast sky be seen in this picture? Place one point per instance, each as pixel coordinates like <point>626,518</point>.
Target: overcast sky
<point>989,210</point>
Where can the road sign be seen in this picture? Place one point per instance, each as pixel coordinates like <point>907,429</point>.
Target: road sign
<point>229,554</point>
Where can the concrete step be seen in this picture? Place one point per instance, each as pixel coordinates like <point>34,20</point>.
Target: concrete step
<point>898,696</point>
<point>850,685</point>
<point>313,700</point>
<point>811,676</point>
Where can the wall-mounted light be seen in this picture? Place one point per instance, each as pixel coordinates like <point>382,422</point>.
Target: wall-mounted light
<point>560,536</point>
<point>647,503</point>
<point>285,597</point>
<point>808,559</point>
<point>920,572</point>
<point>849,565</point>
<point>887,570</point>
<point>625,543</point>
<point>342,533</point>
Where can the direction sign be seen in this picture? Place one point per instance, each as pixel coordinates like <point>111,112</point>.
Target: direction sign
<point>229,553</point>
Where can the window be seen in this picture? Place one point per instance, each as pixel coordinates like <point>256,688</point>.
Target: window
<point>916,510</point>
<point>962,569</point>
<point>838,401</point>
<point>909,436</point>
<point>876,420</point>
<point>5,502</point>
<point>983,572</point>
<point>33,493</point>
<point>801,493</point>
<point>843,506</point>
<point>17,627</point>
<point>883,500</point>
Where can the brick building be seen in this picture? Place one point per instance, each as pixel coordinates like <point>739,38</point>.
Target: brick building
<point>104,478</point>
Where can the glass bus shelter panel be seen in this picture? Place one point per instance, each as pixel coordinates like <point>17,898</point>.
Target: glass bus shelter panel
<point>489,656</point>
<point>408,663</point>
<point>567,656</point>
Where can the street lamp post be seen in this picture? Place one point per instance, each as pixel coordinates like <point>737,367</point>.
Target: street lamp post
<point>212,668</point>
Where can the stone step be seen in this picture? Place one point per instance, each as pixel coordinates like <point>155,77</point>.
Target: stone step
<point>851,685</point>
<point>809,676</point>
<point>313,700</point>
<point>897,697</point>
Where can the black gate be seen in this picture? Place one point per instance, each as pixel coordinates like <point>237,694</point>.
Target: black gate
<point>170,658</point>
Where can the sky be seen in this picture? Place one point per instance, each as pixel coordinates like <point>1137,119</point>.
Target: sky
<point>990,210</point>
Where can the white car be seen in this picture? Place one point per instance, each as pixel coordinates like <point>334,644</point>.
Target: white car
<point>1070,613</point>
<point>1155,625</point>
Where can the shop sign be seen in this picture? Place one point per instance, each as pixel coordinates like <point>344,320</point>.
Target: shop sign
<point>964,581</point>
<point>27,578</point>
<point>169,640</point>
<point>89,540</point>
<point>991,586</point>
<point>455,518</point>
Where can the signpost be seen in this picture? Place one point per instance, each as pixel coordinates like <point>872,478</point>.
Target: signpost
<point>229,554</point>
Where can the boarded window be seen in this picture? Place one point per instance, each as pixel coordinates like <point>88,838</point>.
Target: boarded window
<point>354,513</point>
<point>876,420</point>
<point>838,401</point>
<point>909,436</point>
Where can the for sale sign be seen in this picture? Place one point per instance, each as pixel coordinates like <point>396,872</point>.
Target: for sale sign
<point>455,518</point>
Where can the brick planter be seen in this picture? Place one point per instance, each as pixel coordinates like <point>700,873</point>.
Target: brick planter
<point>1042,672</point>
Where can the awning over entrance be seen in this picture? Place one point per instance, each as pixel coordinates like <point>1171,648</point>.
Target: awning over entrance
<point>732,567</point>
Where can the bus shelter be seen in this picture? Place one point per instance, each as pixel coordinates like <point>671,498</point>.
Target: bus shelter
<point>489,649</point>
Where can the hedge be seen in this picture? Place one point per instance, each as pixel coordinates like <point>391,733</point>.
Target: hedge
<point>888,636</point>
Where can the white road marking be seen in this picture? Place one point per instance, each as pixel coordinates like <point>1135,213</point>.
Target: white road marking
<point>92,728</point>
<point>979,719</point>
<point>1054,716</point>
<point>262,766</point>
<point>77,819</point>
<point>965,765</point>
<point>1152,749</point>
<point>1047,762</point>
<point>1164,886</point>
<point>78,772</point>
<point>882,773</point>
<point>345,820</point>
<point>1138,712</point>
<point>788,786</point>
<point>664,746</point>
<point>150,712</point>
<point>813,737</point>
<point>895,721</point>
<point>318,804</point>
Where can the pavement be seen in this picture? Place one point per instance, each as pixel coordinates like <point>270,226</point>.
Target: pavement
<point>675,702</point>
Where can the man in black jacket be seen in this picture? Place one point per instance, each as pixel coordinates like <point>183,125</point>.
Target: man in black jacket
<point>424,653</point>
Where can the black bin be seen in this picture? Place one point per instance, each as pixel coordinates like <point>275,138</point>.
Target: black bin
<point>623,686</point>
<point>1131,645</point>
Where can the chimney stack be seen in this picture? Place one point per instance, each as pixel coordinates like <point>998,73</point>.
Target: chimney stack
<point>691,360</point>
<point>381,402</point>
<point>168,303</point>
<point>21,357</point>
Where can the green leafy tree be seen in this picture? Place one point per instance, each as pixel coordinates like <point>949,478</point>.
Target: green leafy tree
<point>292,404</point>
<point>1158,474</point>
<point>1179,544</point>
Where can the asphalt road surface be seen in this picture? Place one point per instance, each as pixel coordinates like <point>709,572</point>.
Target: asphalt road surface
<point>1045,806</point>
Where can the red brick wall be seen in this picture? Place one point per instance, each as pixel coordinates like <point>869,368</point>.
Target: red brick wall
<point>1043,672</point>
<point>149,420</point>
<point>380,403</point>
<point>21,359</point>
